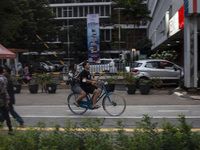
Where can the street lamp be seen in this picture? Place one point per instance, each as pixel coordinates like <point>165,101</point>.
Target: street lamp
<point>68,37</point>
<point>119,30</point>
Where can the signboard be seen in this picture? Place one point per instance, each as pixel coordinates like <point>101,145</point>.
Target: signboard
<point>181,17</point>
<point>176,23</point>
<point>93,38</point>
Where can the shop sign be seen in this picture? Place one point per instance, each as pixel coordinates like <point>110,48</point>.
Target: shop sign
<point>176,23</point>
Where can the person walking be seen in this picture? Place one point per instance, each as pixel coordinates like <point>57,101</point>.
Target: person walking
<point>87,84</point>
<point>7,73</point>
<point>74,77</point>
<point>26,74</point>
<point>4,100</point>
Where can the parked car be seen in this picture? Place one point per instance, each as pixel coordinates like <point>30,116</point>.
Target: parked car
<point>45,67</point>
<point>51,66</point>
<point>58,64</point>
<point>103,65</point>
<point>157,68</point>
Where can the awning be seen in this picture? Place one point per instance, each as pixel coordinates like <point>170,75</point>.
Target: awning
<point>6,54</point>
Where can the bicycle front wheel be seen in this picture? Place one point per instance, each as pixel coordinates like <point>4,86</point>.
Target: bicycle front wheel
<point>76,110</point>
<point>114,104</point>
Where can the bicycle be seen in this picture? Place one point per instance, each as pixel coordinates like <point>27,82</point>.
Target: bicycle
<point>113,103</point>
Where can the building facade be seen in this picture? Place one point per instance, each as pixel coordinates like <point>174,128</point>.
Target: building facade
<point>68,12</point>
<point>176,26</point>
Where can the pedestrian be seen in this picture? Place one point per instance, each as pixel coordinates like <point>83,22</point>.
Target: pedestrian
<point>88,84</point>
<point>5,65</point>
<point>7,74</point>
<point>4,100</point>
<point>26,73</point>
<point>75,86</point>
<point>20,69</point>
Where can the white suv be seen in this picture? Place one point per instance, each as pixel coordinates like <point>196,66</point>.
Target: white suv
<point>103,65</point>
<point>157,68</point>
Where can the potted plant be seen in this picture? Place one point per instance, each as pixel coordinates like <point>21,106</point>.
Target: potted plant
<point>110,86</point>
<point>156,82</point>
<point>145,86</point>
<point>51,85</point>
<point>16,83</point>
<point>42,81</point>
<point>130,81</point>
<point>33,85</point>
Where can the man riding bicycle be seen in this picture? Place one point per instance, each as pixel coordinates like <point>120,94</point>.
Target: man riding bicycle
<point>87,84</point>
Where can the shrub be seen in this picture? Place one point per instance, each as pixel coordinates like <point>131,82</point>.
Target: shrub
<point>145,136</point>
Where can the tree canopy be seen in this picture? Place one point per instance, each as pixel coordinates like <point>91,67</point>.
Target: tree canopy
<point>144,46</point>
<point>134,10</point>
<point>21,20</point>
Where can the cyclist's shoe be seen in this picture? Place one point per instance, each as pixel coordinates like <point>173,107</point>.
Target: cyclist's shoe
<point>96,107</point>
<point>75,103</point>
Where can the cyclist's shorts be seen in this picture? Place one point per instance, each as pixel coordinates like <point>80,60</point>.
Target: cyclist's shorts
<point>90,89</point>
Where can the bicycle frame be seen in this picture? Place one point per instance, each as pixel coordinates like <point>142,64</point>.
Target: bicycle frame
<point>88,104</point>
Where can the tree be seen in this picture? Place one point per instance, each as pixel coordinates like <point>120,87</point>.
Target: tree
<point>78,35</point>
<point>22,20</point>
<point>144,46</point>
<point>134,11</point>
<point>9,22</point>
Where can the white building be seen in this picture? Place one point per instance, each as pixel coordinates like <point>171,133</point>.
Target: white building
<point>176,26</point>
<point>74,10</point>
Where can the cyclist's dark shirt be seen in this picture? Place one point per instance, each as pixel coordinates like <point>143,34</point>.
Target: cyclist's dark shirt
<point>85,74</point>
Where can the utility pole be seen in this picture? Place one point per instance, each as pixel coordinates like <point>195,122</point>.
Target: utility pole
<point>119,28</point>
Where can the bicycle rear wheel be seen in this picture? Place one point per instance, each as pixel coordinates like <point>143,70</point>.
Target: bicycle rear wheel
<point>114,104</point>
<point>76,110</point>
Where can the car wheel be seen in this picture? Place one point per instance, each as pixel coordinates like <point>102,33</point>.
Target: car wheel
<point>143,78</point>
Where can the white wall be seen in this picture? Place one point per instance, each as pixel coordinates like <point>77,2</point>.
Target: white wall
<point>158,28</point>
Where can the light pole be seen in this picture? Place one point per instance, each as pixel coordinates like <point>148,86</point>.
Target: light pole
<point>119,29</point>
<point>68,37</point>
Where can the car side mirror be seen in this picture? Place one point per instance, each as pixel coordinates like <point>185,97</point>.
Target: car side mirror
<point>175,68</point>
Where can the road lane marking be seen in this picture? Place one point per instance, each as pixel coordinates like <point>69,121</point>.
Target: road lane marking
<point>139,106</point>
<point>87,129</point>
<point>109,117</point>
<point>172,110</point>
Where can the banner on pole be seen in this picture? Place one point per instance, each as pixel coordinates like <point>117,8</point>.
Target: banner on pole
<point>93,38</point>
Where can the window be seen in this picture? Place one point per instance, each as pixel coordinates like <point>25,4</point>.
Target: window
<point>59,12</point>
<point>107,35</point>
<point>81,11</point>
<point>151,65</point>
<point>96,9</point>
<point>91,9</point>
<point>75,12</point>
<point>166,65</point>
<point>107,10</point>
<point>102,10</point>
<point>137,64</point>
<point>86,11</point>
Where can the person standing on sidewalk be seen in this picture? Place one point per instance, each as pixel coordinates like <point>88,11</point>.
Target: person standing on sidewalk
<point>7,73</point>
<point>4,100</point>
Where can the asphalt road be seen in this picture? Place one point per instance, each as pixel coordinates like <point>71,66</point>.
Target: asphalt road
<point>158,104</point>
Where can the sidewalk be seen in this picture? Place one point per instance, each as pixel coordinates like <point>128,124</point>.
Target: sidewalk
<point>159,96</point>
